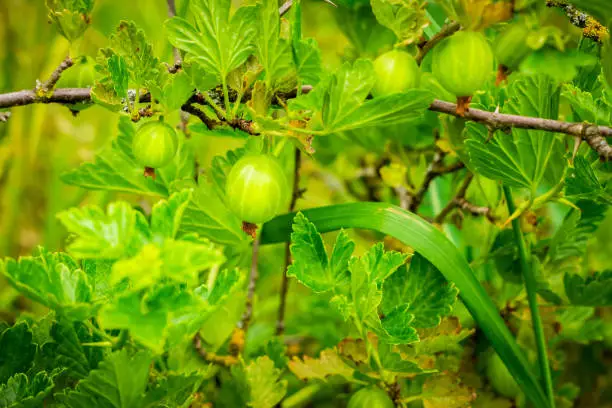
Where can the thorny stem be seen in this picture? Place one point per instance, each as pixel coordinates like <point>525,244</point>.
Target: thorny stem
<point>532,296</point>
<point>253,276</point>
<point>594,135</point>
<point>296,192</point>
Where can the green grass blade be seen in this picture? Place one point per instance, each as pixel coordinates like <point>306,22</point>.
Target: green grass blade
<point>433,245</point>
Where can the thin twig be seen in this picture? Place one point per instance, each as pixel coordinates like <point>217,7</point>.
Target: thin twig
<point>44,88</point>
<point>459,201</point>
<point>435,169</point>
<point>282,10</point>
<point>296,193</point>
<point>193,110</point>
<point>253,276</point>
<point>178,62</point>
<point>427,46</point>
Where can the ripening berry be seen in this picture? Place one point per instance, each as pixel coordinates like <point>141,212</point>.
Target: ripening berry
<point>371,397</point>
<point>155,144</point>
<point>396,71</point>
<point>257,188</point>
<point>463,62</point>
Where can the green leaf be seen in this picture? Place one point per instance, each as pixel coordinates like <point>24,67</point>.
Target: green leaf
<point>173,390</point>
<point>177,91</point>
<point>208,216</point>
<point>261,379</point>
<point>427,240</point>
<point>18,351</point>
<point>166,216</point>
<point>428,295</point>
<point>177,260</point>
<point>595,290</point>
<point>54,280</point>
<point>578,324</point>
<point>119,382</point>
<point>585,106</point>
<point>342,101</point>
<point>66,349</point>
<point>130,43</point>
<point>110,235</point>
<point>561,66</point>
<point>395,327</point>
<point>71,16</point>
<point>115,168</point>
<point>311,265</point>
<point>273,52</point>
<point>522,158</point>
<point>406,18</point>
<point>367,274</point>
<point>392,361</point>
<point>219,44</point>
<point>21,391</point>
<point>308,61</point>
<point>583,183</point>
<point>168,313</point>
<point>571,238</point>
<point>148,315</point>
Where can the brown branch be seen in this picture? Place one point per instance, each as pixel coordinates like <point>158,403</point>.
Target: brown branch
<point>296,194</point>
<point>459,201</point>
<point>452,203</point>
<point>594,135</point>
<point>435,169</point>
<point>427,46</point>
<point>198,113</point>
<point>44,88</point>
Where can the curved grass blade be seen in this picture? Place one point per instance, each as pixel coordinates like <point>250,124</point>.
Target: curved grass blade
<point>433,245</point>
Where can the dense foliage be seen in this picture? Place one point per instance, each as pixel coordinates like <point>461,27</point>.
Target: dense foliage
<point>364,203</point>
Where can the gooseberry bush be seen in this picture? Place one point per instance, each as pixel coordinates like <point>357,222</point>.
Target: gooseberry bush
<point>417,218</point>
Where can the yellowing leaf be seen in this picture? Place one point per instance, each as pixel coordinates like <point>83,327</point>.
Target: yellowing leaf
<point>327,365</point>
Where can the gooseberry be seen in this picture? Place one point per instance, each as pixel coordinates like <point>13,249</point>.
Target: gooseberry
<point>463,62</point>
<point>500,378</point>
<point>511,46</point>
<point>155,144</point>
<point>396,71</point>
<point>371,397</point>
<point>256,188</point>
